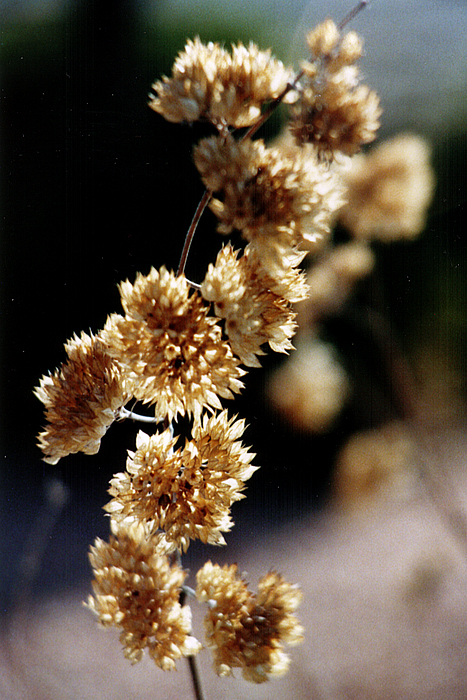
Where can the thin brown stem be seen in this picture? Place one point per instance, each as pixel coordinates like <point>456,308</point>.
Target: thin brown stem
<point>353,12</point>
<point>195,678</point>
<point>192,661</point>
<point>204,201</point>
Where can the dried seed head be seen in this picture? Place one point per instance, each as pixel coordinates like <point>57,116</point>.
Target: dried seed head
<point>188,492</point>
<point>227,89</point>
<point>137,590</point>
<point>248,631</point>
<point>171,347</point>
<point>335,111</point>
<point>279,203</point>
<point>389,190</point>
<point>254,314</point>
<point>310,388</point>
<point>81,399</point>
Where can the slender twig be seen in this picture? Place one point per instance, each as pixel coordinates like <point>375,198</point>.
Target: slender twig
<point>195,678</point>
<point>191,231</point>
<point>192,661</point>
<point>353,12</point>
<point>188,590</point>
<point>194,285</point>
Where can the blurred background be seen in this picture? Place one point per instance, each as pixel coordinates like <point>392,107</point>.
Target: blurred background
<point>95,187</point>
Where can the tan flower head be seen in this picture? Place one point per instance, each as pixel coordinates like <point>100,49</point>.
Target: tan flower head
<point>248,631</point>
<point>335,112</point>
<point>171,347</point>
<point>332,279</point>
<point>389,190</point>
<point>137,590</point>
<point>328,45</point>
<point>188,492</point>
<point>375,463</point>
<point>81,399</point>
<point>253,313</point>
<point>310,388</point>
<point>209,83</point>
<point>277,202</point>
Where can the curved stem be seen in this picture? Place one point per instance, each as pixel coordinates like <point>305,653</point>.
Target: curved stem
<point>188,590</point>
<point>204,201</point>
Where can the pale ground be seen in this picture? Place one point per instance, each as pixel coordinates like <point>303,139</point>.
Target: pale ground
<point>385,611</point>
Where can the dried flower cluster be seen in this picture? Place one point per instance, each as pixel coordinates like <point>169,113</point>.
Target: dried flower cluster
<point>179,346</point>
<point>82,399</point>
<point>248,631</point>
<point>137,590</point>
<point>226,89</point>
<point>279,203</point>
<point>312,387</point>
<point>374,462</point>
<point>170,347</point>
<point>336,112</point>
<point>186,492</point>
<point>389,190</point>
<point>388,193</point>
<point>243,294</point>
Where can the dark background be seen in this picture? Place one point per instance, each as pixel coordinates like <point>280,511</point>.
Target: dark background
<point>95,187</point>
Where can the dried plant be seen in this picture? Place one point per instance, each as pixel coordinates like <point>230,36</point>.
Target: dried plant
<point>182,346</point>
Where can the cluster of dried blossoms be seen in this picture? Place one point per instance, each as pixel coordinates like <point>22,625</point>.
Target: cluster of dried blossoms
<point>182,347</point>
<point>388,192</point>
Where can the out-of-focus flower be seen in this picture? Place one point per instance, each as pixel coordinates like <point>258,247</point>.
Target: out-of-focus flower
<point>389,190</point>
<point>81,399</point>
<point>248,631</point>
<point>171,348</point>
<point>326,44</point>
<point>335,111</point>
<point>332,279</point>
<point>277,202</point>
<point>310,387</point>
<point>253,313</point>
<point>137,590</point>
<point>226,89</point>
<point>374,462</point>
<point>188,492</point>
